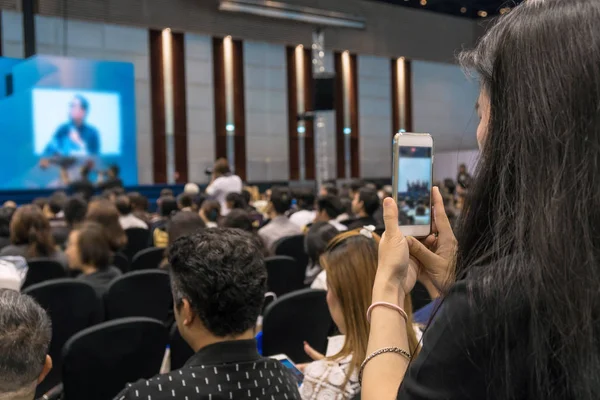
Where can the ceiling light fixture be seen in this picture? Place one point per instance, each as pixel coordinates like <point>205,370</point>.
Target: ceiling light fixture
<point>423,2</point>
<point>463,10</point>
<point>482,13</point>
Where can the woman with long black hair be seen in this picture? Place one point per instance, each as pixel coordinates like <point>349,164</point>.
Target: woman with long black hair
<point>521,314</point>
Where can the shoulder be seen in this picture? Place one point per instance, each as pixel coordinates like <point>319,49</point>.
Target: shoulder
<point>328,379</point>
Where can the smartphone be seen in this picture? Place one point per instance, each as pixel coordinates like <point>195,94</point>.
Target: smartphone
<point>285,360</point>
<point>411,182</point>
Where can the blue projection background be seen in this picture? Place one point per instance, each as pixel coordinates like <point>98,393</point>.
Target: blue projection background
<point>40,97</point>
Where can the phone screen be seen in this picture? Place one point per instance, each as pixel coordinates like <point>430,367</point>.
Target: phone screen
<point>414,185</point>
<point>289,365</point>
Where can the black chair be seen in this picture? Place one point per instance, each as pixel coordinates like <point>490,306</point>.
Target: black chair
<point>72,306</point>
<point>292,246</point>
<point>180,350</point>
<point>137,240</point>
<point>99,361</point>
<point>120,261</point>
<point>139,294</point>
<point>379,230</point>
<point>42,270</point>
<point>148,259</point>
<point>295,318</point>
<point>284,274</point>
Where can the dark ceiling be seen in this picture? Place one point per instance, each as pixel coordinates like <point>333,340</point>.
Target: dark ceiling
<point>462,8</point>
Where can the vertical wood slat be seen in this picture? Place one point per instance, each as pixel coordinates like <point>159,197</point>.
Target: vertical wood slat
<point>396,126</point>
<point>309,135</point>
<point>219,96</point>
<point>180,107</point>
<point>239,105</point>
<point>157,94</point>
<point>355,134</point>
<point>292,99</point>
<point>408,95</point>
<point>339,116</point>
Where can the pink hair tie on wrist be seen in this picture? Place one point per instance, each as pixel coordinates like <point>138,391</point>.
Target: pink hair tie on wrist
<point>386,305</point>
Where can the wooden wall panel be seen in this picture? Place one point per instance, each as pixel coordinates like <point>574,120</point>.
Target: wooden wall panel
<point>239,106</point>
<point>157,94</point>
<point>219,91</point>
<point>292,100</point>
<point>339,117</point>
<point>309,135</point>
<point>355,134</point>
<point>180,106</point>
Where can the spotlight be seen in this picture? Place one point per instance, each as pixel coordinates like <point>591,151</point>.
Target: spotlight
<point>347,131</point>
<point>423,2</point>
<point>463,10</point>
<point>229,127</point>
<point>482,13</point>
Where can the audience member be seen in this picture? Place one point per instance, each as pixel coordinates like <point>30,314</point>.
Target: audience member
<point>238,218</point>
<point>6,214</point>
<point>167,208</point>
<point>25,333</point>
<point>210,212</point>
<point>222,183</point>
<point>55,215</point>
<point>185,202</point>
<point>106,214</point>
<point>126,218</point>
<point>199,199</point>
<point>315,243</point>
<point>40,202</point>
<point>306,208</point>
<point>82,186</point>
<point>166,192</point>
<point>346,214</point>
<point>355,186</point>
<point>247,196</point>
<point>192,189</point>
<point>10,204</point>
<point>75,210</point>
<point>89,252</point>
<point>235,201</point>
<point>364,205</point>
<point>139,207</point>
<point>184,223</point>
<point>329,189</point>
<point>279,226</point>
<point>219,280</point>
<point>30,236</point>
<point>350,261</point>
<point>329,208</point>
<point>112,180</point>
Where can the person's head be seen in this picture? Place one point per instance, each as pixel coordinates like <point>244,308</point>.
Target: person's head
<point>75,209</point>
<point>462,169</point>
<point>238,218</point>
<point>247,196</point>
<point>78,109</point>
<point>191,188</point>
<point>40,202</point>
<point>280,200</point>
<point>184,223</point>
<point>219,279</point>
<point>55,204</point>
<point>113,171</point>
<point>350,260</point>
<point>365,202</point>
<point>106,214</point>
<point>123,204</point>
<point>318,236</point>
<point>88,248</point>
<point>139,202</point>
<point>10,204</point>
<point>306,199</point>
<point>166,192</point>
<point>235,201</point>
<point>185,200</point>
<point>210,211</point>
<point>168,206</point>
<point>528,236</point>
<point>25,333</point>
<point>328,208</point>
<point>6,215</point>
<point>30,227</point>
<point>221,167</point>
<point>329,189</point>
<point>355,186</point>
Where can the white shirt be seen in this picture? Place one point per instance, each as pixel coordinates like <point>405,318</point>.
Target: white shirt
<point>278,228</point>
<point>339,226</point>
<point>303,218</point>
<point>131,221</point>
<point>320,281</point>
<point>221,187</point>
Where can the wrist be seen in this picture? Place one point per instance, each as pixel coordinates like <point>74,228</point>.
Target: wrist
<point>389,290</point>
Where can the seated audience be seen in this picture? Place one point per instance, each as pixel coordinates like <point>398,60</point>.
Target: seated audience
<point>329,189</point>
<point>236,201</point>
<point>30,236</point>
<point>25,333</point>
<point>185,202</point>
<point>354,187</point>
<point>247,196</point>
<point>126,217</point>
<point>210,212</point>
<point>6,214</point>
<point>106,214</point>
<point>240,219</point>
<point>167,208</point>
<point>351,264</point>
<point>75,210</point>
<point>10,204</point>
<point>192,189</point>
<point>89,252</point>
<point>315,243</point>
<point>329,208</point>
<point>184,223</point>
<point>306,208</point>
<point>82,186</point>
<point>111,180</point>
<point>218,277</point>
<point>55,215</point>
<point>40,202</point>
<point>279,226</point>
<point>139,207</point>
<point>166,192</point>
<point>346,214</point>
<point>364,205</point>
<point>222,183</point>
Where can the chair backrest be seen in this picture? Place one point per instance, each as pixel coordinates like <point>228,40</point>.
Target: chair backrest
<point>139,294</point>
<point>99,361</point>
<point>292,246</point>
<point>180,350</point>
<point>294,318</point>
<point>72,306</point>
<point>42,270</point>
<point>121,261</point>
<point>137,240</point>
<point>148,259</point>
<point>284,274</point>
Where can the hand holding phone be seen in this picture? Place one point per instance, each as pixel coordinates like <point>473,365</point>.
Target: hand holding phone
<point>285,360</point>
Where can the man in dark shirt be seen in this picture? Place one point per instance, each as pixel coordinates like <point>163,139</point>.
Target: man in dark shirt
<point>112,180</point>
<point>218,278</point>
<point>364,205</point>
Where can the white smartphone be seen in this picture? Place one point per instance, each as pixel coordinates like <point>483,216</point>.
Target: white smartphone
<point>411,182</point>
<point>285,360</point>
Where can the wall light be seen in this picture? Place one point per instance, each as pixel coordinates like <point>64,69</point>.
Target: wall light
<point>230,127</point>
<point>347,131</point>
<point>482,13</point>
<point>463,10</point>
<point>423,2</point>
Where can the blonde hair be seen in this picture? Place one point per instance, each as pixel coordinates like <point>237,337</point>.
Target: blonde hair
<point>351,264</point>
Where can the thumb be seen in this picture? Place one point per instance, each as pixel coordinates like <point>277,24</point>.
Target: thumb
<point>390,217</point>
<point>312,353</point>
<point>418,250</point>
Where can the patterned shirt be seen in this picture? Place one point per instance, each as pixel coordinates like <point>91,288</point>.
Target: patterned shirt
<point>222,371</point>
<point>324,380</point>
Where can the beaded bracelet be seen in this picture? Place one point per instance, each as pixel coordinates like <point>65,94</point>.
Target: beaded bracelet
<point>396,350</point>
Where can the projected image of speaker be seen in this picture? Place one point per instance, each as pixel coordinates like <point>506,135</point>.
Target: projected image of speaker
<point>324,92</point>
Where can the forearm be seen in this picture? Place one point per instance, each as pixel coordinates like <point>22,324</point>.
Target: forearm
<point>383,374</point>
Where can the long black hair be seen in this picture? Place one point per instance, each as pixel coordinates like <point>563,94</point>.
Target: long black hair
<point>529,239</point>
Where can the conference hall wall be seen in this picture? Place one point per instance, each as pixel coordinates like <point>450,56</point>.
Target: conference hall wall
<point>442,97</point>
